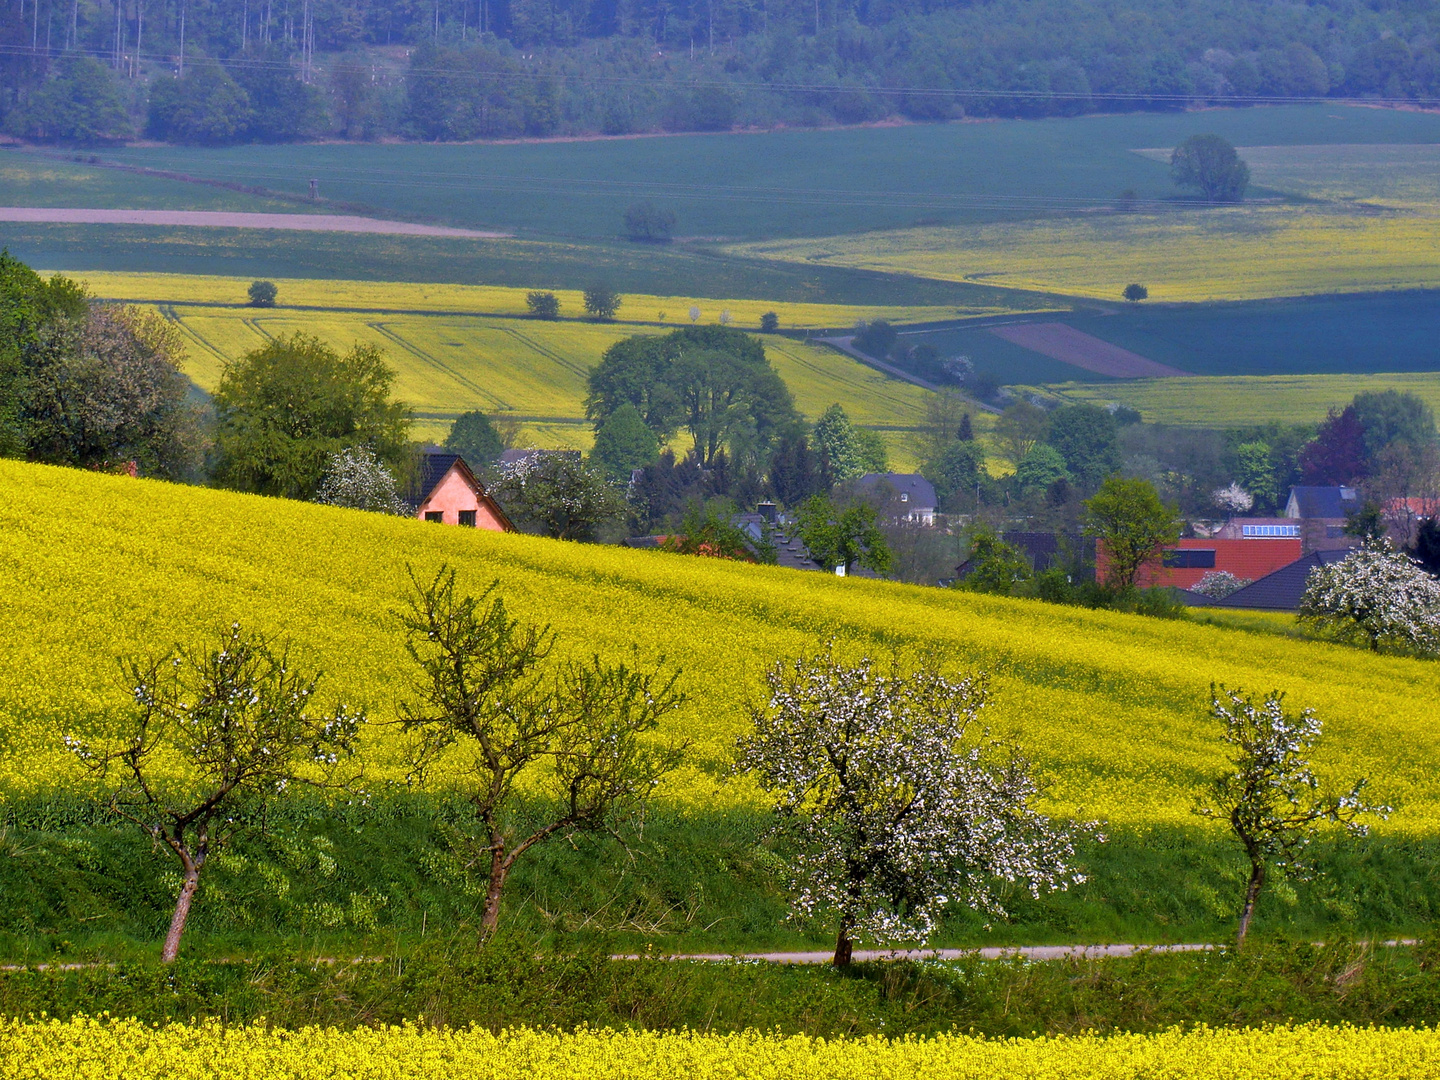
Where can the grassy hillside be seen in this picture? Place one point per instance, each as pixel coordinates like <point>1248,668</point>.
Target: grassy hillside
<point>1111,706</point>
<point>786,183</point>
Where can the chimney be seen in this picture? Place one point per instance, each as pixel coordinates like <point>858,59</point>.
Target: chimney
<point>767,511</point>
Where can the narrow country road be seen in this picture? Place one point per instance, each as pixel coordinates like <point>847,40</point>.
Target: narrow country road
<point>227,219</point>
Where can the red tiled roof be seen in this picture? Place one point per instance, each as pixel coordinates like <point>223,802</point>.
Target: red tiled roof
<point>1249,558</point>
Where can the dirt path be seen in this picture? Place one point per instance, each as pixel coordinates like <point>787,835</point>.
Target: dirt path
<point>225,219</point>
<point>1004,952</point>
<point>1071,346</point>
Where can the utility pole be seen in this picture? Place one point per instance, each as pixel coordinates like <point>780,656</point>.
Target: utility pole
<point>182,38</point>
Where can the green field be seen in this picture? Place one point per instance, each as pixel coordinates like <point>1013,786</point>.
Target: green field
<point>788,183</point>
<point>1241,400</point>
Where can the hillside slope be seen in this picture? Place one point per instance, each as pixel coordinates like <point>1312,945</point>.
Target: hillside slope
<point>1111,706</point>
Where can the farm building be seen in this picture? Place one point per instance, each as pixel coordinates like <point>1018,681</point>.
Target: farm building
<point>450,494</point>
<point>1183,564</point>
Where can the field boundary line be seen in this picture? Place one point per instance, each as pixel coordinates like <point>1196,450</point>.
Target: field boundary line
<point>435,362</point>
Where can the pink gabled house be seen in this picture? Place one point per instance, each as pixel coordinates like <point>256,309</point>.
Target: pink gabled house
<point>450,494</point>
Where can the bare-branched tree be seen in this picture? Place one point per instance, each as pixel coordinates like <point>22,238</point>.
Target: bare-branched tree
<point>1270,796</point>
<point>896,801</point>
<point>492,715</point>
<point>211,733</point>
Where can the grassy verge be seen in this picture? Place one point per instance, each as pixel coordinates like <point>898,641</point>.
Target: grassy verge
<point>508,983</point>
<point>379,877</point>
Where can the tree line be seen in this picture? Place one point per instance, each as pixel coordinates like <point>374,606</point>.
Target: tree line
<point>276,70</point>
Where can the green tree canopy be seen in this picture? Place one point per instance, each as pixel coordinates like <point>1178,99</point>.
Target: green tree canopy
<point>714,381</point>
<point>284,408</point>
<point>851,451</point>
<point>205,105</point>
<point>1088,441</point>
<point>601,302</point>
<point>837,536</point>
<point>1129,518</point>
<point>1210,163</point>
<point>474,438</point>
<point>1040,468</point>
<point>956,471</point>
<point>624,443</point>
<point>1388,417</point>
<point>1020,427</point>
<point>81,103</point>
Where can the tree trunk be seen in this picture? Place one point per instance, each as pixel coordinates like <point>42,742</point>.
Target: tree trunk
<point>844,947</point>
<point>182,912</point>
<point>499,869</point>
<point>1252,892</point>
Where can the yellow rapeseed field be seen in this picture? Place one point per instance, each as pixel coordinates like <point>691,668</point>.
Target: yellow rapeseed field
<point>89,1049</point>
<point>398,296</point>
<point>1243,252</point>
<point>1238,400</point>
<point>1111,707</point>
<point>534,371</point>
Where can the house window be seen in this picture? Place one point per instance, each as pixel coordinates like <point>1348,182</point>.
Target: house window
<point>904,496</point>
<point>437,516</point>
<point>467,517</point>
<point>1191,559</point>
<point>1266,531</point>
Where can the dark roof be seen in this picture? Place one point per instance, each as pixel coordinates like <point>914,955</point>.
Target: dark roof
<point>920,490</point>
<point>1324,502</point>
<point>510,457</point>
<point>1282,590</point>
<point>433,467</point>
<point>789,550</point>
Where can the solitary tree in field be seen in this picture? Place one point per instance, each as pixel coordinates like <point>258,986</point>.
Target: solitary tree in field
<point>263,294</point>
<point>1129,518</point>
<point>769,322</point>
<point>492,710</point>
<point>1270,796</point>
<point>1377,595</point>
<point>647,223</point>
<point>1135,293</point>
<point>1210,163</point>
<point>543,305</point>
<point>210,735</point>
<point>601,302</point>
<point>896,801</point>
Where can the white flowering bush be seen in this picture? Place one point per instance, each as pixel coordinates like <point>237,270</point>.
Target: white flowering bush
<point>1270,796</point>
<point>896,801</point>
<point>356,478</point>
<point>1219,584</point>
<point>1377,595</point>
<point>1233,499</point>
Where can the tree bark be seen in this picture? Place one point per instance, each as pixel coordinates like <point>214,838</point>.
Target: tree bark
<point>844,947</point>
<point>1252,892</point>
<point>499,869</point>
<point>182,912</point>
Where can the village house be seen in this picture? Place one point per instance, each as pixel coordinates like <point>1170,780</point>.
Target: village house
<point>450,494</point>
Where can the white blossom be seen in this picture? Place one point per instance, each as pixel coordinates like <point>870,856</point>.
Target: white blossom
<point>1233,499</point>
<point>356,478</point>
<point>1379,595</point>
<point>896,800</point>
<point>1219,584</point>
